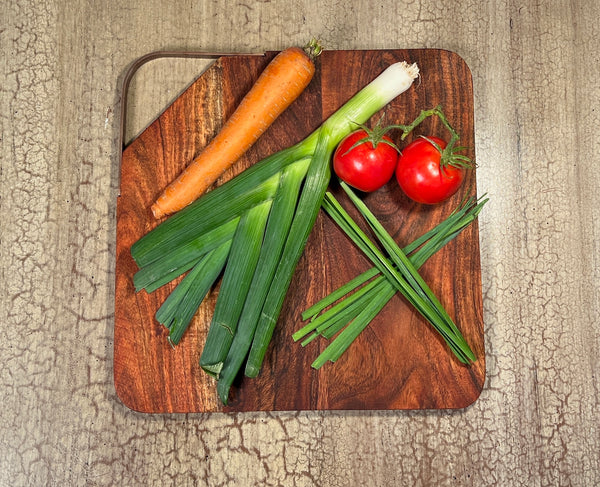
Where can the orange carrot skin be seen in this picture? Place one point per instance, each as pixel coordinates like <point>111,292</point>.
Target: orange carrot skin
<point>281,82</point>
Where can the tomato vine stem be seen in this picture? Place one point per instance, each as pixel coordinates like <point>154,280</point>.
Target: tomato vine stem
<point>450,155</point>
<point>374,136</point>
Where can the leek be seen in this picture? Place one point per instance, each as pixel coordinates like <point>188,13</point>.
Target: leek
<point>245,321</point>
<point>280,220</point>
<point>173,264</point>
<point>395,80</point>
<point>179,308</point>
<point>241,265</point>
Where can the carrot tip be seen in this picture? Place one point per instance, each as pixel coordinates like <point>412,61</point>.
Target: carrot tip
<point>156,211</point>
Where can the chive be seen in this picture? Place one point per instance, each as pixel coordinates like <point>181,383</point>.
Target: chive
<point>402,283</point>
<point>338,346</point>
<point>421,249</point>
<point>240,268</point>
<point>329,328</point>
<point>316,308</point>
<point>336,312</point>
<point>306,341</point>
<point>426,298</point>
<point>280,220</point>
<point>431,242</point>
<point>179,308</point>
<point>449,233</point>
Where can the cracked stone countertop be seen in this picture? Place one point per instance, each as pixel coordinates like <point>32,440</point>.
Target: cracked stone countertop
<point>535,67</point>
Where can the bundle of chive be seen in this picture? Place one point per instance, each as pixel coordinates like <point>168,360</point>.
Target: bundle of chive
<point>253,229</point>
<point>357,306</point>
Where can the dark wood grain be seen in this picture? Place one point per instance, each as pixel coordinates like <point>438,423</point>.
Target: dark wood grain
<point>398,362</point>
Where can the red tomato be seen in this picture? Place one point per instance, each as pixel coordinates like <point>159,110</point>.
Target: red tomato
<point>365,167</point>
<point>420,176</point>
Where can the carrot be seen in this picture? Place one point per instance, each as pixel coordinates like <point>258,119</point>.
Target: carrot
<point>281,82</point>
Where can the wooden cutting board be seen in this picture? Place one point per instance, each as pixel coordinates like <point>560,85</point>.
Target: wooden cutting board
<point>398,362</point>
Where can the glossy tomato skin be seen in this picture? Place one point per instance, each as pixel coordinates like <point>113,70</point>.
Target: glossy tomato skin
<point>364,167</point>
<point>420,176</point>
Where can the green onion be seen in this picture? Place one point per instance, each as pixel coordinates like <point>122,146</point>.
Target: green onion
<point>316,183</point>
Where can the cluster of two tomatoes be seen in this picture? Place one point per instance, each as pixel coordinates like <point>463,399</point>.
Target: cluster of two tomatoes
<point>367,163</point>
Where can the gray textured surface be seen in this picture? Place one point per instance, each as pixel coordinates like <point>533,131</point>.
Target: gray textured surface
<point>535,67</point>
